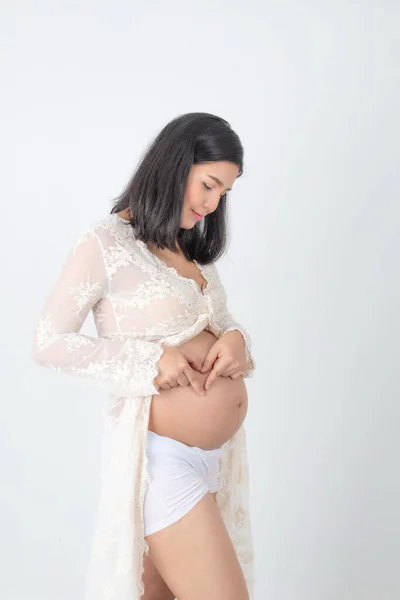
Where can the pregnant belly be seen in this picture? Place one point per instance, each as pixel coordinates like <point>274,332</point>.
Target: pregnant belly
<point>204,421</point>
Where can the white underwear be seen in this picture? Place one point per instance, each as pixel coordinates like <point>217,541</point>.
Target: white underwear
<point>180,476</point>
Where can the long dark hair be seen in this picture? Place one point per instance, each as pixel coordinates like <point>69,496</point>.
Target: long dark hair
<point>155,193</point>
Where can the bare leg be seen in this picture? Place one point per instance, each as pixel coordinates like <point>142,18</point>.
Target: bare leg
<point>195,556</point>
<point>155,587</point>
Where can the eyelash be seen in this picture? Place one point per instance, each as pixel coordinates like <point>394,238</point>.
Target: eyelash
<point>208,188</point>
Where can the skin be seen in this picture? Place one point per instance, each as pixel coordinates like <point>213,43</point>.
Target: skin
<point>203,192</point>
<point>194,558</point>
<point>206,421</point>
<point>178,412</point>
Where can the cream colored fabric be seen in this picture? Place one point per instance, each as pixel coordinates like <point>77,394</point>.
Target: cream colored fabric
<point>138,303</point>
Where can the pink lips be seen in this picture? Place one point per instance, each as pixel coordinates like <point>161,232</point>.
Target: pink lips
<point>198,217</point>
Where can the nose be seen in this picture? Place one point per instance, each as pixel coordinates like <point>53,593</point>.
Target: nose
<point>211,203</point>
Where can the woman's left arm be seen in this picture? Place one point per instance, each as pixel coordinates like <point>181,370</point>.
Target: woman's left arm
<point>231,355</point>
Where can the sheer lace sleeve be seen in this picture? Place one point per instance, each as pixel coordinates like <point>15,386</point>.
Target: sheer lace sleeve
<point>226,322</point>
<point>123,367</point>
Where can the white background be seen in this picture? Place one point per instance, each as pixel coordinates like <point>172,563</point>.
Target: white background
<point>312,88</point>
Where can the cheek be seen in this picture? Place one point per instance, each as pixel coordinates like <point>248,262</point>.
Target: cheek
<point>187,201</point>
<point>193,197</point>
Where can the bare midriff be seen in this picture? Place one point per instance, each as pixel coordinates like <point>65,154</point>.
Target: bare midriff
<point>204,421</point>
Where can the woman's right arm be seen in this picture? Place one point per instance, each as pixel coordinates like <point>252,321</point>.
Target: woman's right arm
<point>126,367</point>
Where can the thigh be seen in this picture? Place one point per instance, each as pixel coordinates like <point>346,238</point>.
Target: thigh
<point>155,587</point>
<point>196,558</point>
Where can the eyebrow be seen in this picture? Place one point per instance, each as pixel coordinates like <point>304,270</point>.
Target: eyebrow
<point>219,182</point>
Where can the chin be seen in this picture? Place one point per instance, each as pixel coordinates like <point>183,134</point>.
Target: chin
<point>186,225</point>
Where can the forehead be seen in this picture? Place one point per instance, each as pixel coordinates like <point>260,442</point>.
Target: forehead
<point>225,171</point>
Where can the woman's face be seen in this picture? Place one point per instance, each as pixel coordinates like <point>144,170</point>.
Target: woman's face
<point>207,182</point>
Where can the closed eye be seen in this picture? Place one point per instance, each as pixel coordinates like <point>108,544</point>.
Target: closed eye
<point>208,188</point>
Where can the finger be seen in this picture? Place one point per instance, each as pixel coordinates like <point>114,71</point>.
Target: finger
<point>210,359</point>
<point>237,375</point>
<point>231,368</point>
<point>182,380</point>
<point>173,384</point>
<point>218,368</point>
<point>194,380</point>
<point>229,372</point>
<point>211,378</point>
<point>165,386</point>
<point>195,364</point>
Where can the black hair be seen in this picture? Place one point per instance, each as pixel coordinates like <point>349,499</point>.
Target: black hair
<point>155,193</point>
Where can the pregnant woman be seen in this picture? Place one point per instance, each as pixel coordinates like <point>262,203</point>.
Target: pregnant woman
<point>173,519</point>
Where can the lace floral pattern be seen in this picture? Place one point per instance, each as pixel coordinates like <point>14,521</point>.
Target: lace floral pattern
<point>138,303</point>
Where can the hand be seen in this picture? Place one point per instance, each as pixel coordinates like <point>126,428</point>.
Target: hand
<point>195,350</point>
<point>174,370</point>
<point>226,358</point>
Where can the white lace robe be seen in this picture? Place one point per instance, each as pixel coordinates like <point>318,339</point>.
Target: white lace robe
<point>138,303</point>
